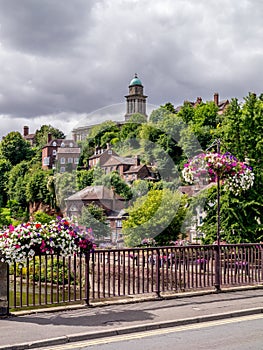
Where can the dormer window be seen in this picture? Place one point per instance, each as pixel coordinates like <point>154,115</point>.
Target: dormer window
<point>71,144</point>
<point>54,144</point>
<point>62,144</point>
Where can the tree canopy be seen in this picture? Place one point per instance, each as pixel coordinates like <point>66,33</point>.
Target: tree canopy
<point>15,148</point>
<point>159,215</point>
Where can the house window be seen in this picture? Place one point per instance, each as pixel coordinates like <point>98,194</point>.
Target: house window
<point>54,152</point>
<point>54,144</point>
<point>62,160</point>
<point>62,169</point>
<point>109,151</point>
<point>76,160</point>
<point>46,161</point>
<point>70,160</point>
<point>118,223</point>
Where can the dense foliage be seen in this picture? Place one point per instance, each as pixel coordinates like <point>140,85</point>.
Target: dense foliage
<point>165,142</point>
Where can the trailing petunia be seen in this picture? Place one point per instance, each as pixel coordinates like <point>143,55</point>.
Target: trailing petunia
<point>236,176</point>
<point>29,239</point>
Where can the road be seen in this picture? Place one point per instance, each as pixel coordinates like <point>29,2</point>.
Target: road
<point>241,333</point>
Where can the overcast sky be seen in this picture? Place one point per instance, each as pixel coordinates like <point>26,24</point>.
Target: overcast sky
<point>62,60</point>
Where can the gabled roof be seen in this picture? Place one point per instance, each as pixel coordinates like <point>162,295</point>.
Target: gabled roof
<point>103,152</point>
<point>116,160</point>
<point>134,169</point>
<point>29,136</point>
<point>62,143</point>
<point>68,150</point>
<point>94,193</point>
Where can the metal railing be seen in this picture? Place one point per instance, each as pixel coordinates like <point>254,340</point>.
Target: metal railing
<point>103,274</point>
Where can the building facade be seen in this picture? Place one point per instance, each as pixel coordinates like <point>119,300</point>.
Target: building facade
<point>60,154</point>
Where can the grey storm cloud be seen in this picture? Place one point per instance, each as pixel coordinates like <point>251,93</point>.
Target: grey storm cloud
<point>61,60</point>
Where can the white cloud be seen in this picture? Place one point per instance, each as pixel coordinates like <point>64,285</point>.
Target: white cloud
<point>71,58</point>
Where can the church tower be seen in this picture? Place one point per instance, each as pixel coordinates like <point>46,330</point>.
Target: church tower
<point>136,100</point>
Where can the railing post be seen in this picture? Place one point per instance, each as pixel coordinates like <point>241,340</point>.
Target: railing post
<point>158,266</point>
<point>87,275</point>
<point>4,288</point>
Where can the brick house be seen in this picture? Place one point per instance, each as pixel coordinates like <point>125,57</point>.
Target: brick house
<point>112,203</point>
<point>100,156</point>
<point>60,152</point>
<point>221,104</point>
<point>29,137</point>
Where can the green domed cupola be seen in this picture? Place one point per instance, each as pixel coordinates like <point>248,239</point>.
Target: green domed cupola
<point>136,100</point>
<point>135,81</point>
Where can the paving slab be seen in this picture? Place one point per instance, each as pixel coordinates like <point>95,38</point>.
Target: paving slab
<point>32,329</point>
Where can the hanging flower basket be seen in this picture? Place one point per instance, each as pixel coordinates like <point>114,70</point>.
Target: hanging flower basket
<point>236,176</point>
<point>33,238</point>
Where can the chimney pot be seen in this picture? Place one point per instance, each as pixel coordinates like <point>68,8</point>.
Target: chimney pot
<point>216,98</point>
<point>26,130</point>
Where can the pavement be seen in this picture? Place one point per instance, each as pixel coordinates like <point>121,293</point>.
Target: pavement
<point>56,326</point>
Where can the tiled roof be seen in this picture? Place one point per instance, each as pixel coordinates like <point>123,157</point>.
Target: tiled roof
<point>116,160</point>
<point>94,193</point>
<point>29,136</point>
<point>134,169</point>
<point>68,150</point>
<point>60,142</point>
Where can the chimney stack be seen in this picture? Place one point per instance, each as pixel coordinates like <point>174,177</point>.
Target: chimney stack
<point>216,98</point>
<point>49,137</point>
<point>26,130</point>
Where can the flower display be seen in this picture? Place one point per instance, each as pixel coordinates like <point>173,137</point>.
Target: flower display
<point>33,238</point>
<point>236,176</point>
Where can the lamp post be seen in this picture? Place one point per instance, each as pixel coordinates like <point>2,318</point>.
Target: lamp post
<point>218,248</point>
<point>237,177</point>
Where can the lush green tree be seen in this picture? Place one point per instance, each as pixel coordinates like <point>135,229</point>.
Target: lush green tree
<point>159,215</point>
<point>93,216</point>
<point>158,114</point>
<point>41,136</point>
<point>187,112</point>
<point>109,138</point>
<point>84,178</point>
<point>240,217</point>
<point>114,181</point>
<point>129,133</point>
<point>15,148</point>
<point>65,186</point>
<point>98,131</point>
<point>37,189</point>
<point>205,121</point>
<point>17,182</point>
<point>139,188</point>
<point>5,167</point>
<point>169,106</point>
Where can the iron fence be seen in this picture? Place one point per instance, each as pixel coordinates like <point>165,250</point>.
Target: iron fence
<point>105,274</point>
